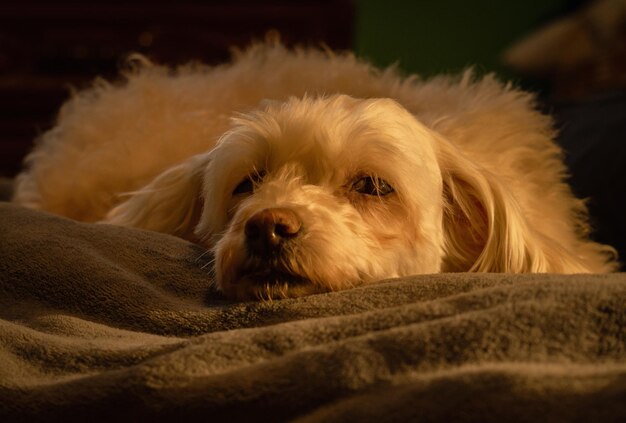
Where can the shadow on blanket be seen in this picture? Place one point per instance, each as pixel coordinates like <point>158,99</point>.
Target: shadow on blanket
<point>99,322</point>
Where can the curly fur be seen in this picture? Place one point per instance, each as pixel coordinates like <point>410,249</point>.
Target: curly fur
<point>478,182</point>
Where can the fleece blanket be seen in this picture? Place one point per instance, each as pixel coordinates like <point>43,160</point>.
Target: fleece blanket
<point>99,322</point>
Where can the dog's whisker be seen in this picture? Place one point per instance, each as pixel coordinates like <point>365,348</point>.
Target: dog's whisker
<point>202,255</point>
<point>210,264</point>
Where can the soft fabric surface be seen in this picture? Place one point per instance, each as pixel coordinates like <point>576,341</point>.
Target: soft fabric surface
<point>101,322</point>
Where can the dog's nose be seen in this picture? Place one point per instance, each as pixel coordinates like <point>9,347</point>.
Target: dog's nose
<point>267,230</point>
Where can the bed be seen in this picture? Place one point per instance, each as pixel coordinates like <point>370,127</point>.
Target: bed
<point>99,322</point>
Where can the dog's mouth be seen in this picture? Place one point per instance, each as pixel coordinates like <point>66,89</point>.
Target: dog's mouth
<point>270,284</point>
<point>274,277</point>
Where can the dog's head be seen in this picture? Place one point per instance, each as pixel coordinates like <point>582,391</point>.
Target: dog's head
<point>320,194</point>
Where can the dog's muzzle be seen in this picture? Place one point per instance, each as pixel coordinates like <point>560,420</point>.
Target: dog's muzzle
<point>269,230</point>
<point>271,269</point>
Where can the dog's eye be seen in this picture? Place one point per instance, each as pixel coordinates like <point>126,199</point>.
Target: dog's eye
<point>369,185</point>
<point>249,183</point>
<point>244,187</point>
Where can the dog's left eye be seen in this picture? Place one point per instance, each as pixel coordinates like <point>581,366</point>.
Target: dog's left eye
<point>369,185</point>
<point>248,184</point>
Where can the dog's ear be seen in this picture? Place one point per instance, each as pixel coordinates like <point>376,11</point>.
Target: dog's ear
<point>484,228</point>
<point>171,203</point>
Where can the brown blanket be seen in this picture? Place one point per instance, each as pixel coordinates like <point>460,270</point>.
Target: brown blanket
<point>100,322</point>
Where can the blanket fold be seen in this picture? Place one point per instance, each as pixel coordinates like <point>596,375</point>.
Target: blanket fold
<point>101,322</point>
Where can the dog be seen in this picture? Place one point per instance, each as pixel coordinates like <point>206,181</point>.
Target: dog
<point>306,171</point>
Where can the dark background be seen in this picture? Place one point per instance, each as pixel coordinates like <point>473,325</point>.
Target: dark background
<point>49,47</point>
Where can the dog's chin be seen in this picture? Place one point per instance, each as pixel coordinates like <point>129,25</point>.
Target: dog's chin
<point>269,284</point>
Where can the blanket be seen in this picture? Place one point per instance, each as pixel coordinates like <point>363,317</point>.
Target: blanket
<point>100,322</point>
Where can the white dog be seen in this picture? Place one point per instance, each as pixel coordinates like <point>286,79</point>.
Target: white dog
<point>347,175</point>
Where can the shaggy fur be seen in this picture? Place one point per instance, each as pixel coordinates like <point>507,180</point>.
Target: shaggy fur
<point>364,174</point>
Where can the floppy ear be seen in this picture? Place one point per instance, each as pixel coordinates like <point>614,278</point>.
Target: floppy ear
<point>171,203</point>
<point>484,228</point>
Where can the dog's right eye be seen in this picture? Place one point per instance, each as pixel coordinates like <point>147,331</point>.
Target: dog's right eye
<point>248,184</point>
<point>244,187</point>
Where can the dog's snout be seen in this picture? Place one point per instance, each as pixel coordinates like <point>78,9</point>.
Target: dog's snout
<point>267,230</point>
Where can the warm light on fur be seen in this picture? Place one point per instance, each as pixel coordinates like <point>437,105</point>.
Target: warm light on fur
<point>477,180</point>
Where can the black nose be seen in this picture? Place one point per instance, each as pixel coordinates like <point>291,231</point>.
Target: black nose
<point>266,231</point>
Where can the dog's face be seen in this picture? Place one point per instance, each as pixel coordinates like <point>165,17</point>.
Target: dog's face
<point>315,195</point>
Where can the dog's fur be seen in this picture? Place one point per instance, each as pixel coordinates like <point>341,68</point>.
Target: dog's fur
<point>477,182</point>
